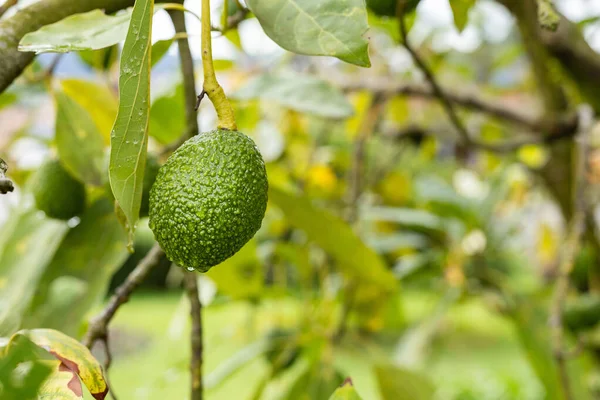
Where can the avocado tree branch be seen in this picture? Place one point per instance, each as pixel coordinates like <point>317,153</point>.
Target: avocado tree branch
<point>6,6</point>
<point>471,100</point>
<point>32,18</point>
<point>437,89</point>
<point>6,184</point>
<point>569,253</point>
<point>412,130</point>
<point>191,288</point>
<point>190,279</point>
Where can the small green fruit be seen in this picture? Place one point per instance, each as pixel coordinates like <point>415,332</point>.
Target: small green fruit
<point>56,192</point>
<point>209,199</point>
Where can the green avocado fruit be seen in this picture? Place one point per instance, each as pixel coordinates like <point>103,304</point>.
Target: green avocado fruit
<point>387,8</point>
<point>209,199</point>
<point>56,192</point>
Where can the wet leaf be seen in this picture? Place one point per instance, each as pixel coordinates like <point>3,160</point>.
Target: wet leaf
<point>92,30</point>
<point>317,27</point>
<point>129,138</point>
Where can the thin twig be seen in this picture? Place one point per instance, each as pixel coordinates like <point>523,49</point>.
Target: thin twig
<point>6,184</point>
<point>192,102</point>
<point>499,147</point>
<point>572,244</point>
<point>97,328</point>
<point>232,21</point>
<point>471,100</point>
<point>6,6</point>
<point>437,89</point>
<point>191,288</point>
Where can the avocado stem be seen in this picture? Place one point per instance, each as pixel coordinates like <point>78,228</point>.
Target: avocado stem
<point>211,86</point>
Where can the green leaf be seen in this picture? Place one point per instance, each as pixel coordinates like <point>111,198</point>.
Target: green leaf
<point>80,272</point>
<point>317,27</point>
<point>167,116</point>
<point>19,383</point>
<point>92,30</point>
<point>129,138</point>
<point>62,384</point>
<point>298,92</point>
<point>397,383</point>
<point>27,243</point>
<point>73,355</point>
<point>79,142</point>
<point>460,9</point>
<point>102,59</point>
<point>346,392</point>
<point>336,237</point>
<point>99,101</point>
<point>159,49</point>
<point>6,99</point>
<point>240,276</point>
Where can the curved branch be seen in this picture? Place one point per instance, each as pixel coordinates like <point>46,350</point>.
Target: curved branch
<point>32,18</point>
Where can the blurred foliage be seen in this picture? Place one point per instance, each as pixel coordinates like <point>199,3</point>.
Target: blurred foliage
<point>382,257</point>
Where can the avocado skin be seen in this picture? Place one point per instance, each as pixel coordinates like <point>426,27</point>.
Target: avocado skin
<point>209,199</point>
<point>56,192</point>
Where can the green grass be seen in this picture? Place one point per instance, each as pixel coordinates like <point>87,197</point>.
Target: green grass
<point>475,354</point>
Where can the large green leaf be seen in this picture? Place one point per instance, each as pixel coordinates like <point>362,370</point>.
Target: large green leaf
<point>79,142</point>
<point>336,237</point>
<point>87,31</point>
<point>79,274</point>
<point>317,27</point>
<point>298,92</point>
<point>74,356</point>
<point>129,138</point>
<point>99,101</point>
<point>27,243</point>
